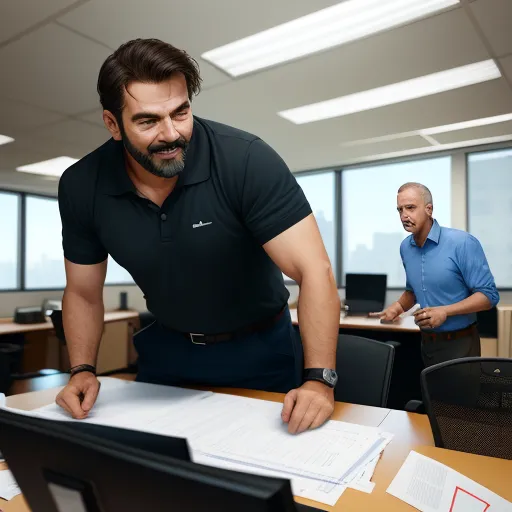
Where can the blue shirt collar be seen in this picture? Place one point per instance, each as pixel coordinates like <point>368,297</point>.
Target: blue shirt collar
<point>434,233</point>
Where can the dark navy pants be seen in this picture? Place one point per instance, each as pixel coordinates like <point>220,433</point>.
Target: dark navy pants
<point>268,360</point>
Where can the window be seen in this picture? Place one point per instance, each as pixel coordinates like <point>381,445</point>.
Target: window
<point>9,233</point>
<point>319,190</point>
<point>44,259</point>
<point>372,231</point>
<point>490,209</point>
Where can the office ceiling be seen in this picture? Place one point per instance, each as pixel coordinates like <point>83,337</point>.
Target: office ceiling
<point>51,51</point>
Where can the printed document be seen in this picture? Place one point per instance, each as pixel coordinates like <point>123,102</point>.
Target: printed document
<point>431,486</point>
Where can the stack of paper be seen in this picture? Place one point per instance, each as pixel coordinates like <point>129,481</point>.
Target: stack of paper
<point>431,486</point>
<point>243,434</point>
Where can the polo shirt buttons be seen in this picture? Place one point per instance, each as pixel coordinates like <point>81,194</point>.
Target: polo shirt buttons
<point>163,216</point>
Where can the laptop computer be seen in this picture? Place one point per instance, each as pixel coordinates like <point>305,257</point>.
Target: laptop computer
<point>79,467</point>
<point>365,293</point>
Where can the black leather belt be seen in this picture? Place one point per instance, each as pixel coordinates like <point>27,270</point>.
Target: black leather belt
<point>206,339</point>
<point>429,337</point>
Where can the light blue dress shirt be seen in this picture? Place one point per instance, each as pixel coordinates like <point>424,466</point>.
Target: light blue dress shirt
<point>449,268</point>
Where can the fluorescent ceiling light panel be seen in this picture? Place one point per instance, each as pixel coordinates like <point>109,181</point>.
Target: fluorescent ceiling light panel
<point>484,121</point>
<point>5,140</point>
<point>347,21</point>
<point>395,93</point>
<point>53,167</point>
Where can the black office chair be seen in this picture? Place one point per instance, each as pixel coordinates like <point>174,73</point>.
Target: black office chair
<point>488,323</point>
<point>364,368</point>
<point>469,405</point>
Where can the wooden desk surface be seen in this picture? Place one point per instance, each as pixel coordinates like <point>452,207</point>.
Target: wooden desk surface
<point>7,326</point>
<point>412,432</point>
<point>372,324</point>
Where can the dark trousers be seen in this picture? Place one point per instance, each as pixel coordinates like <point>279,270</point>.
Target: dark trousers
<point>268,360</point>
<point>438,351</point>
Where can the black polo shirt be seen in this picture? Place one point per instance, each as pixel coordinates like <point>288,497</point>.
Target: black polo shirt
<point>198,259</point>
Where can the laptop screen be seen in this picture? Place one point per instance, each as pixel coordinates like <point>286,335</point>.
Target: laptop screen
<point>365,289</point>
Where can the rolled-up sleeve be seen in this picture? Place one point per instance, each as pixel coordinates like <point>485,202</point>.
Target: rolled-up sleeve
<point>475,270</point>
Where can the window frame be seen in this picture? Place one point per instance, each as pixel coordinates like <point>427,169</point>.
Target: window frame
<point>19,275</point>
<point>474,151</point>
<point>460,156</point>
<point>22,244</point>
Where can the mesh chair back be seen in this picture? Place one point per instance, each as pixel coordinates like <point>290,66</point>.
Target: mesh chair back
<point>364,368</point>
<point>469,405</point>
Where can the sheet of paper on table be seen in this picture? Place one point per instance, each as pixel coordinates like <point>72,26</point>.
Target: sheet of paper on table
<point>431,486</point>
<point>8,486</point>
<point>242,433</point>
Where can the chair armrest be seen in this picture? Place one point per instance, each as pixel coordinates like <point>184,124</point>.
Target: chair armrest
<point>395,344</point>
<point>415,406</point>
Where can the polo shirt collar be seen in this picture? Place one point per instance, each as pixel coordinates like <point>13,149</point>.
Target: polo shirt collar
<point>434,233</point>
<point>197,163</point>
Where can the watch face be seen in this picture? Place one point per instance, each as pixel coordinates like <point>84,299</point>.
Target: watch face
<point>330,376</point>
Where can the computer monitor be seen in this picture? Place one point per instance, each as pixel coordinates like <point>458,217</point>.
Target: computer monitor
<point>64,466</point>
<point>365,293</point>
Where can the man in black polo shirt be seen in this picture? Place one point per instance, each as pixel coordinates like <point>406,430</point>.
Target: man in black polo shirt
<point>204,217</point>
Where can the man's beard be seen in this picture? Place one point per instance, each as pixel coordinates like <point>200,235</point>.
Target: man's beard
<point>164,168</point>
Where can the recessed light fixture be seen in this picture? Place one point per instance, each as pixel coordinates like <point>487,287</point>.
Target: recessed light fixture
<point>430,149</point>
<point>395,93</point>
<point>473,123</point>
<point>344,22</point>
<point>53,167</point>
<point>5,140</point>
<point>466,124</point>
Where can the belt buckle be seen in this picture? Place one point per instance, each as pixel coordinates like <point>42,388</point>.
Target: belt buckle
<point>192,334</point>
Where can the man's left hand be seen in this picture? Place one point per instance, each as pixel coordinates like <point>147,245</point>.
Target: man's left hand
<point>307,407</point>
<point>430,318</point>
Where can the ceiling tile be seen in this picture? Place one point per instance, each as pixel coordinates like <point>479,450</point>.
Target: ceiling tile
<point>94,117</point>
<point>195,25</point>
<point>387,58</point>
<point>16,153</point>
<point>495,19</point>
<point>23,182</point>
<point>53,68</point>
<point>16,117</point>
<point>478,132</point>
<point>18,16</point>
<point>507,67</point>
<point>77,133</point>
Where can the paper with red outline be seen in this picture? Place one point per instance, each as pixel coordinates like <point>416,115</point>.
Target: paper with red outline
<point>472,495</point>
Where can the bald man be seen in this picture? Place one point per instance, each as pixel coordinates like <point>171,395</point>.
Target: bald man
<point>447,274</point>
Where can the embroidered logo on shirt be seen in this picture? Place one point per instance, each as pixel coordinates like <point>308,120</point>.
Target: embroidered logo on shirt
<point>201,224</point>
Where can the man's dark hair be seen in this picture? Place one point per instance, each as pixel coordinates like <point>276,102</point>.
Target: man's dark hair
<point>143,60</point>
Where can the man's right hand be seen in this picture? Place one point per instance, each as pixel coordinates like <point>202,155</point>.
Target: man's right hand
<point>79,395</point>
<point>390,314</point>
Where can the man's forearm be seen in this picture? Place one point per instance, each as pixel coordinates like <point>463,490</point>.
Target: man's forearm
<point>407,300</point>
<point>83,327</point>
<point>473,304</point>
<point>319,319</point>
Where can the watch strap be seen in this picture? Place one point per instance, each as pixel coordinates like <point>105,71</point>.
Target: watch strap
<point>82,368</point>
<point>327,376</point>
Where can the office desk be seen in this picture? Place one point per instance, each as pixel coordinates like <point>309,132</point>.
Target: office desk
<point>370,324</point>
<point>412,432</point>
<point>7,326</point>
<point>43,350</point>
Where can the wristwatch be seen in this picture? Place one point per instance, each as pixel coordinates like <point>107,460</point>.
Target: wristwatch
<point>325,375</point>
